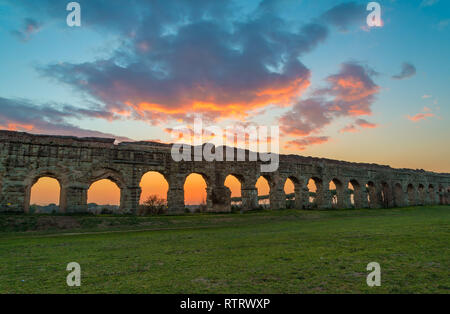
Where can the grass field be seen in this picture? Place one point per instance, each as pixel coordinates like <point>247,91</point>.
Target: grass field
<point>289,251</point>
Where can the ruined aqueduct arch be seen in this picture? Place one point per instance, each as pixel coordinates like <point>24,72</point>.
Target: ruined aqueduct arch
<point>78,162</point>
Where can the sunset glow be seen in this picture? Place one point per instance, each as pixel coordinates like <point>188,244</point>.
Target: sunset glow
<point>195,190</point>
<point>153,183</point>
<point>289,187</point>
<point>45,191</point>
<point>200,150</point>
<point>335,86</point>
<point>104,192</point>
<point>263,186</point>
<point>234,185</point>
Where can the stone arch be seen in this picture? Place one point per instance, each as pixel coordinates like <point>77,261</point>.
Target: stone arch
<point>411,191</point>
<point>421,194</point>
<point>205,179</point>
<point>249,192</point>
<point>45,192</point>
<point>264,200</point>
<point>103,194</point>
<point>289,192</point>
<point>385,195</point>
<point>112,175</point>
<point>442,200</point>
<point>235,200</point>
<point>338,194</point>
<point>238,177</point>
<point>218,196</point>
<point>431,194</point>
<point>297,200</point>
<point>109,174</point>
<point>215,200</point>
<point>372,197</point>
<point>59,174</point>
<point>357,200</point>
<point>160,189</point>
<point>447,196</point>
<point>1,188</point>
<point>315,198</point>
<point>399,199</point>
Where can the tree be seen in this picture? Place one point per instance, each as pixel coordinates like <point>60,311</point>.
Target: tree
<point>153,205</point>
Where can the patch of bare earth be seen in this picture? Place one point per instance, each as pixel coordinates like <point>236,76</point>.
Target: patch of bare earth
<point>59,222</point>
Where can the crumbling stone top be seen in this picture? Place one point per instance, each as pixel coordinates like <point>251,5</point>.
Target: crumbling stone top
<point>152,146</point>
<point>23,137</point>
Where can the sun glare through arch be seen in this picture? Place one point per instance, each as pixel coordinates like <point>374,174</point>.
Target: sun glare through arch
<point>195,190</point>
<point>153,183</point>
<point>104,192</point>
<point>45,191</point>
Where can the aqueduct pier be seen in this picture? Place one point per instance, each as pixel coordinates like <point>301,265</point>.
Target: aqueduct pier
<point>78,162</point>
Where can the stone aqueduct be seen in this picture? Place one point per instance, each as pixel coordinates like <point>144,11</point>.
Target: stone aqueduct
<point>78,162</point>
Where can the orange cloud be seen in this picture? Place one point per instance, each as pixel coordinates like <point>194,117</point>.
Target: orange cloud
<point>349,129</point>
<point>350,83</point>
<point>425,114</point>
<point>420,116</point>
<point>353,88</point>
<point>350,93</point>
<point>355,110</point>
<point>366,124</point>
<point>217,104</point>
<point>302,144</point>
<point>17,127</point>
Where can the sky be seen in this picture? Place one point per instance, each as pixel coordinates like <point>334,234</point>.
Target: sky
<point>335,87</point>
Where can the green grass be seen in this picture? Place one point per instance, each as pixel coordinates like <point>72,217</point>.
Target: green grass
<point>289,251</point>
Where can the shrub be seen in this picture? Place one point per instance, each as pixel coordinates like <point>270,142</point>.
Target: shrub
<point>236,208</point>
<point>154,205</point>
<point>290,204</point>
<point>106,211</point>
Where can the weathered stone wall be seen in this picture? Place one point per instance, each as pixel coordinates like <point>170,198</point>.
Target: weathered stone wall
<point>78,162</point>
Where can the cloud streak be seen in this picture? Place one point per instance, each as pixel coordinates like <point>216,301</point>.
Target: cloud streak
<point>422,115</point>
<point>366,124</point>
<point>343,15</point>
<point>302,144</point>
<point>30,27</point>
<point>408,70</point>
<point>362,123</point>
<point>22,115</point>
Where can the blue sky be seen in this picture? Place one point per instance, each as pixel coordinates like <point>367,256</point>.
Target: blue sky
<point>137,68</point>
